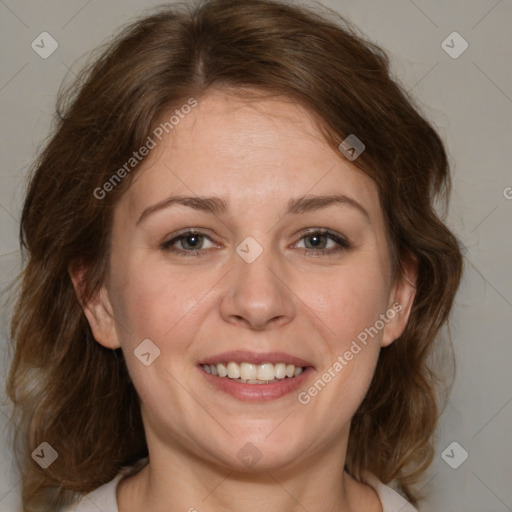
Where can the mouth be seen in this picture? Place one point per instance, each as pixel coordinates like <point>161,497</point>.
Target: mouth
<point>249,373</point>
<point>255,376</point>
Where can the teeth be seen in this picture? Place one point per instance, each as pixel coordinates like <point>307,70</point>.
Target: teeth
<point>280,369</point>
<point>266,371</point>
<point>233,370</point>
<point>248,371</point>
<point>221,369</point>
<point>253,373</point>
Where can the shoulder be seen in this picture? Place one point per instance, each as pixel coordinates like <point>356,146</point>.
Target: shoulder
<point>103,498</point>
<point>390,499</point>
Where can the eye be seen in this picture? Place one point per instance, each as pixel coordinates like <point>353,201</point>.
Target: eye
<point>190,241</point>
<point>318,240</point>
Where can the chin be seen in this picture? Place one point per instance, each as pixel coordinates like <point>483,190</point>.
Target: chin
<point>252,454</point>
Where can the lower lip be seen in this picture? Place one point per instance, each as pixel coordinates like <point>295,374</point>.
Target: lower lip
<point>257,392</point>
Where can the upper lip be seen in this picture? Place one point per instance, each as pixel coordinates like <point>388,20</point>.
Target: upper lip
<point>245,356</point>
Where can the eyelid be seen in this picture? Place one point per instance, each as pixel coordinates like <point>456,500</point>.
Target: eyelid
<point>175,237</point>
<point>337,237</point>
<point>342,243</point>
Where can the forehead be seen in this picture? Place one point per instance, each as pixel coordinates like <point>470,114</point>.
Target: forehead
<point>249,150</point>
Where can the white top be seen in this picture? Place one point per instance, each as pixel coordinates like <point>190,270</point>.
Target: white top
<point>104,498</point>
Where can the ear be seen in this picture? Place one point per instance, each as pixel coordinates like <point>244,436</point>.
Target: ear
<point>401,299</point>
<point>97,309</point>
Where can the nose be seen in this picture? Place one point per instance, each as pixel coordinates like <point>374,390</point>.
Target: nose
<point>257,295</point>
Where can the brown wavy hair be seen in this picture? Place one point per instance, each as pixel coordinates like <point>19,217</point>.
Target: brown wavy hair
<point>70,391</point>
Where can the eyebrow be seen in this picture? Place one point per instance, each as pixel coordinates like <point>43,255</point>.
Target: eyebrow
<point>218,205</point>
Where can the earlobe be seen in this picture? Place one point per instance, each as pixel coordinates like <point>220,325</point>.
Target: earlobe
<point>401,302</point>
<point>98,310</point>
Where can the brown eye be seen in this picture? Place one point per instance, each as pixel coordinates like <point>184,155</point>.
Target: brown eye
<point>189,243</point>
<point>316,243</point>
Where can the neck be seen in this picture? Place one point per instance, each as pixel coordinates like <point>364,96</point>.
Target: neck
<point>180,478</point>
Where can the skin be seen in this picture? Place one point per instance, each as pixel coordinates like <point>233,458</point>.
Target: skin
<point>257,155</point>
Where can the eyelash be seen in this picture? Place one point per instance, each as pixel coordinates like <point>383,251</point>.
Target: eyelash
<point>343,244</point>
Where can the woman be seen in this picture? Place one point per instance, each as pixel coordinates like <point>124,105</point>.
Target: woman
<point>235,275</point>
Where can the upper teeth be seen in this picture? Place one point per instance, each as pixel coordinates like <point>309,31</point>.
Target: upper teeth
<point>249,372</point>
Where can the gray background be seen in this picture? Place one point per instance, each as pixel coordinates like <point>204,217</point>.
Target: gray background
<point>468,98</point>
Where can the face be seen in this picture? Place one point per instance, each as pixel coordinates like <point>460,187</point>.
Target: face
<point>268,275</point>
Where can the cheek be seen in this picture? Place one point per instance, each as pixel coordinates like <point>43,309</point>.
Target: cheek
<point>159,309</point>
<point>349,299</point>
<point>348,310</point>
<point>151,301</point>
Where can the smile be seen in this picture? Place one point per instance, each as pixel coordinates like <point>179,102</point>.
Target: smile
<point>248,373</point>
